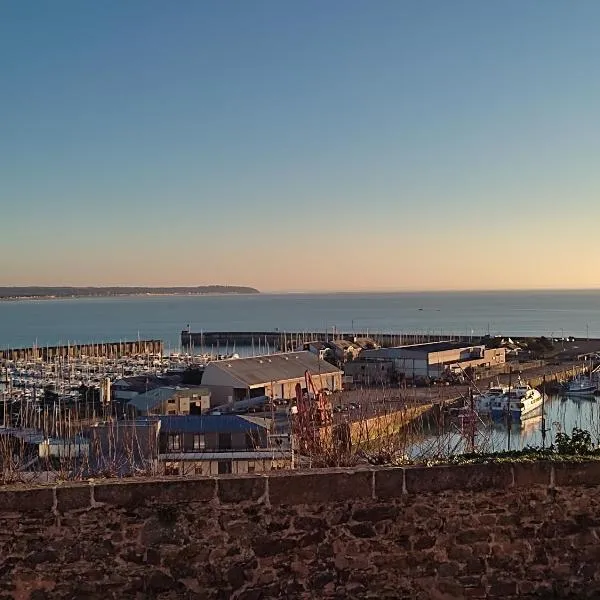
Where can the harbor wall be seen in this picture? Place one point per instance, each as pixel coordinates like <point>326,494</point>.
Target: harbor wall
<point>521,530</point>
<point>291,340</point>
<point>99,350</point>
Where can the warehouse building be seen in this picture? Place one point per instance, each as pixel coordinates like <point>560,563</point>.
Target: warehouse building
<point>274,375</point>
<point>435,359</point>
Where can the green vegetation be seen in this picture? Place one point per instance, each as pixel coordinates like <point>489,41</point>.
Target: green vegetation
<point>575,447</point>
<point>7,293</point>
<point>540,347</point>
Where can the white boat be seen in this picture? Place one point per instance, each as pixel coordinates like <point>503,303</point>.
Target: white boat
<point>580,386</point>
<point>519,401</point>
<point>483,402</point>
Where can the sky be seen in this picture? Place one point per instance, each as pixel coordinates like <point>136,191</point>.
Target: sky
<point>301,145</point>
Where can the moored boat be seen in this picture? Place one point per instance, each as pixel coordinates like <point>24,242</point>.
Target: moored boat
<point>580,386</point>
<point>519,401</point>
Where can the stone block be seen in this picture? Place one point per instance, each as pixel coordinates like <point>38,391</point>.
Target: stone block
<point>532,473</point>
<point>585,473</point>
<point>27,500</point>
<point>133,493</point>
<point>240,489</point>
<point>320,487</point>
<point>389,483</point>
<point>73,497</point>
<point>378,512</point>
<point>458,477</point>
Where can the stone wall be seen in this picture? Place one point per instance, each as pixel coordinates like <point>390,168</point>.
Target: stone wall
<point>490,531</point>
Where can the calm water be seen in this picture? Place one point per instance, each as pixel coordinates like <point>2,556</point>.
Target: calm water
<point>562,415</point>
<point>24,323</point>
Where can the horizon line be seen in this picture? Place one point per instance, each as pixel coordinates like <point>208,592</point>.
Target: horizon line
<point>320,291</point>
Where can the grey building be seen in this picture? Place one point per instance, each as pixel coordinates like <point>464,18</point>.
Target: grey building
<point>211,445</point>
<point>170,401</point>
<point>274,375</point>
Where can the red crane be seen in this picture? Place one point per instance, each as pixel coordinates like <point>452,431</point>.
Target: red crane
<point>313,413</point>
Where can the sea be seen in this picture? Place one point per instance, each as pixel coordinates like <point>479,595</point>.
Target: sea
<point>82,320</point>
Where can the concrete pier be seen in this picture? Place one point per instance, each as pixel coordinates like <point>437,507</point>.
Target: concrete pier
<point>100,350</point>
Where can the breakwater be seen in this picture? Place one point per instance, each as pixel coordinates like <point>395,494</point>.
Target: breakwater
<point>104,350</point>
<point>290,340</point>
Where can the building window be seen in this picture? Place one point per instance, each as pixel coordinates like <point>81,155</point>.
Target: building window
<point>171,470</point>
<point>224,467</point>
<point>199,442</point>
<point>198,470</point>
<point>171,400</point>
<point>173,442</point>
<point>225,441</point>
<point>251,466</point>
<point>171,412</point>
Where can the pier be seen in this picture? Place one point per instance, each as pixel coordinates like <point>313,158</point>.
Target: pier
<point>99,350</point>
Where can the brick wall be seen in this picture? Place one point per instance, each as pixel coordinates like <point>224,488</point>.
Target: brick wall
<point>488,531</point>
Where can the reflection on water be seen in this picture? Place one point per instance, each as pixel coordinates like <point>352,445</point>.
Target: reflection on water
<point>561,414</point>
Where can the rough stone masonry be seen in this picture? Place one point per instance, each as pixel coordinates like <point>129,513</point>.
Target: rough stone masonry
<point>522,530</point>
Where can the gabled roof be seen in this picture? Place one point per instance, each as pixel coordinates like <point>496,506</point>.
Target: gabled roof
<point>271,368</point>
<point>208,424</point>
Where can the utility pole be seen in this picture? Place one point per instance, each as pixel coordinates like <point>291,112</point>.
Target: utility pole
<point>508,412</point>
<point>544,430</point>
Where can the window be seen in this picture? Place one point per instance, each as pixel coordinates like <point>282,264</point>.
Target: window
<point>198,470</point>
<point>171,469</point>
<point>224,467</point>
<point>199,442</point>
<point>251,466</point>
<point>171,400</point>
<point>173,442</point>
<point>225,441</point>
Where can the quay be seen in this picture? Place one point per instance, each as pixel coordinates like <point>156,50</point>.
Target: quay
<point>99,350</point>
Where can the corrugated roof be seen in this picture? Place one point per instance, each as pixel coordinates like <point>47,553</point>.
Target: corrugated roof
<point>273,454</point>
<point>154,398</point>
<point>207,424</point>
<point>258,370</point>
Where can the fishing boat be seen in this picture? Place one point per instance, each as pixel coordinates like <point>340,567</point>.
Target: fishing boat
<point>580,386</point>
<point>517,402</point>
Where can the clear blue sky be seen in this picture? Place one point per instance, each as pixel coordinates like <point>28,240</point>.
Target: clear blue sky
<point>305,145</point>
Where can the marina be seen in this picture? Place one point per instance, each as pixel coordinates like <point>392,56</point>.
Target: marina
<point>397,384</point>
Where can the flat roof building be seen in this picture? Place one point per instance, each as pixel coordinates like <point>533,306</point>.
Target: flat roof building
<point>434,358</point>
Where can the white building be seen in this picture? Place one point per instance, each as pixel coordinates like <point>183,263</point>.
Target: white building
<point>435,358</point>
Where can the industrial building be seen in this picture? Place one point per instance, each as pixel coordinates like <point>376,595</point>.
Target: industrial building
<point>369,371</point>
<point>274,375</point>
<point>434,359</point>
<point>169,401</point>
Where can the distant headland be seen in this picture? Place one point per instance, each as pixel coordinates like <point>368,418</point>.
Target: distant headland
<point>43,292</point>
